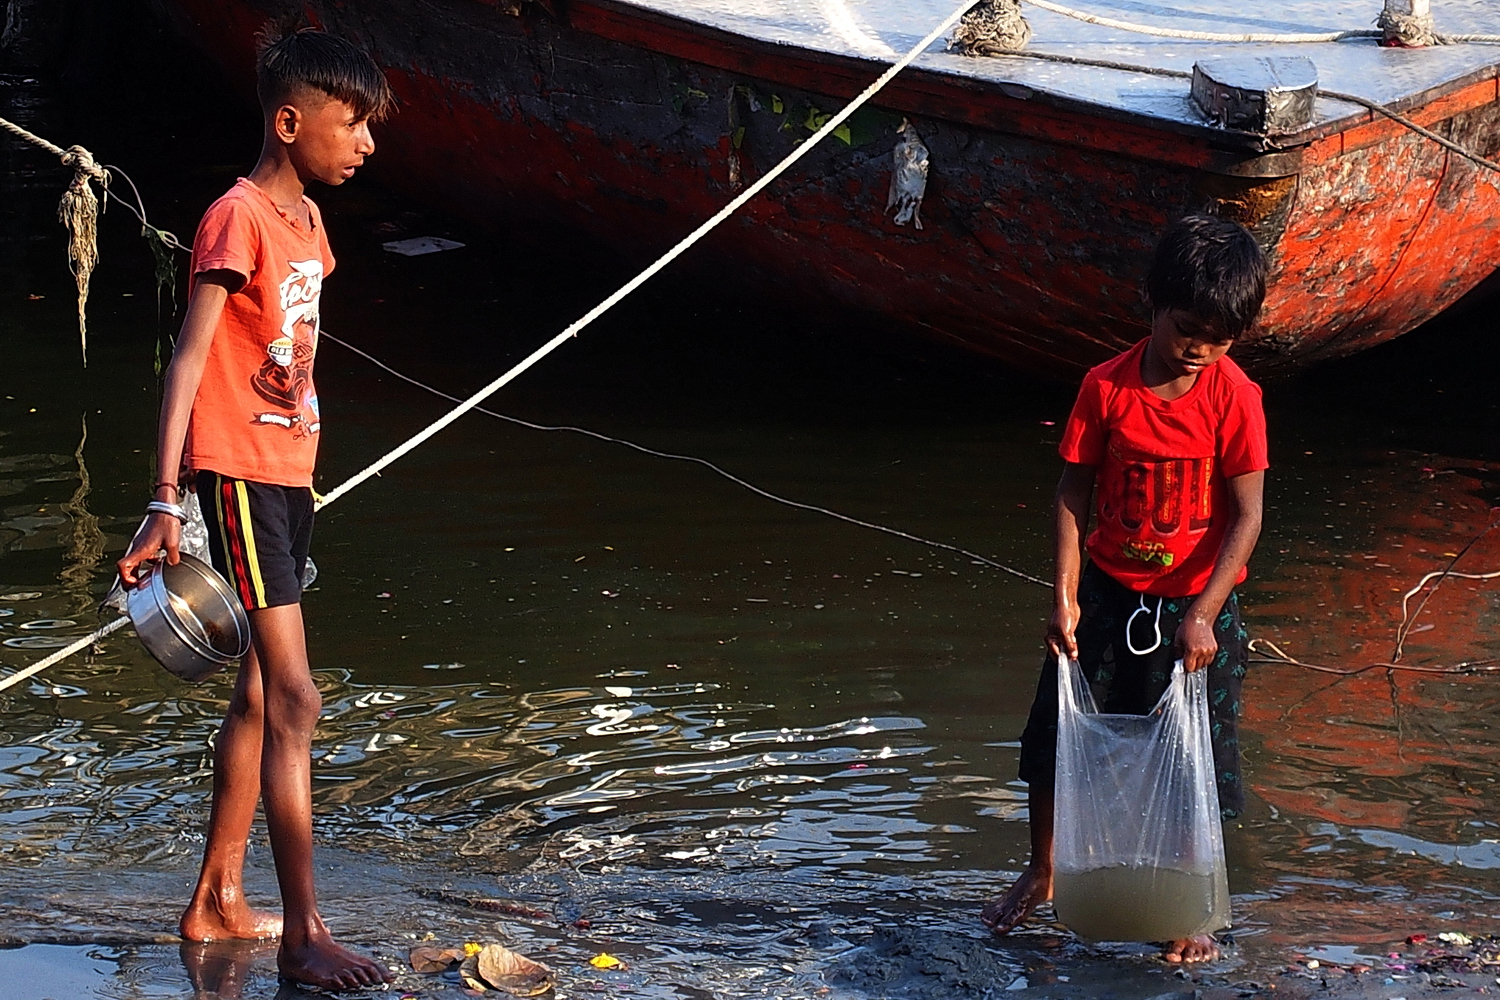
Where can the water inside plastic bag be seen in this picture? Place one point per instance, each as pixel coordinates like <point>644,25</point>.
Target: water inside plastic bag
<point>1138,852</point>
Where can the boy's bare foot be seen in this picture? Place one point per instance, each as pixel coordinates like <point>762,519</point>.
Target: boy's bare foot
<point>225,916</point>
<point>1005,913</point>
<point>1199,948</point>
<point>322,963</point>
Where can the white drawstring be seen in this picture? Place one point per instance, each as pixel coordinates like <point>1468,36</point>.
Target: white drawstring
<point>1130,624</point>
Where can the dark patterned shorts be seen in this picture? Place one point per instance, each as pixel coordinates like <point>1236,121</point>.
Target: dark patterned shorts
<point>1128,684</point>
<point>258,537</point>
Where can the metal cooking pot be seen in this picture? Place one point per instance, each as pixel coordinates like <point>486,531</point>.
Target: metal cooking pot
<point>188,618</point>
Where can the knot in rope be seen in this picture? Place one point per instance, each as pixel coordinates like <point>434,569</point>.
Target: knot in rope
<point>992,28</point>
<point>79,213</point>
<point>83,162</point>
<point>1407,31</point>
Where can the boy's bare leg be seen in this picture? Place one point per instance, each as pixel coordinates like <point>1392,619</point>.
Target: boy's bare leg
<point>1004,914</point>
<point>218,910</point>
<point>292,703</point>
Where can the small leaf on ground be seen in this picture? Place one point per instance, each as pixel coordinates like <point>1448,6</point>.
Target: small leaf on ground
<point>604,960</point>
<point>469,973</point>
<point>430,958</point>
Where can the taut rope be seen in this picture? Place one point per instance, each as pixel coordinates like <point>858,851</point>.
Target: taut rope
<point>573,330</point>
<point>797,504</point>
<point>1392,28</point>
<point>703,230</point>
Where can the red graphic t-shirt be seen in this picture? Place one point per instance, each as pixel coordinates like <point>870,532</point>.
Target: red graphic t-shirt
<point>256,413</point>
<point>1161,469</point>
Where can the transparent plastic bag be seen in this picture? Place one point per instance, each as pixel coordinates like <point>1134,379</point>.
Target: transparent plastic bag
<point>194,542</point>
<point>1138,852</point>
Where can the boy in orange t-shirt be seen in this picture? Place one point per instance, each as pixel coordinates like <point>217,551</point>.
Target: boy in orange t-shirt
<point>241,413</point>
<point>1170,439</point>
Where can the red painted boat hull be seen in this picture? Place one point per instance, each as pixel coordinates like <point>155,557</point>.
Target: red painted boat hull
<point>1039,215</point>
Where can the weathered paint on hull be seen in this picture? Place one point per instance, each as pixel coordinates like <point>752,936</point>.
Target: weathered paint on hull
<point>1038,216</point>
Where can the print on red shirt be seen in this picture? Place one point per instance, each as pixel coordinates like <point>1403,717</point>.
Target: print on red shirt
<point>1161,468</point>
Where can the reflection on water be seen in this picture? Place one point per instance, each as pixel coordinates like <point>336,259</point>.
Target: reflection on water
<point>626,706</point>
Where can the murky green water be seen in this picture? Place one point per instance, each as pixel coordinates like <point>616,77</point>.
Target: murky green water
<point>750,750</point>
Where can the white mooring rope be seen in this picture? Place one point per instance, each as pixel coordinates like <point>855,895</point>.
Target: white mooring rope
<point>677,251</point>
<point>572,331</point>
<point>1216,36</point>
<point>1202,36</point>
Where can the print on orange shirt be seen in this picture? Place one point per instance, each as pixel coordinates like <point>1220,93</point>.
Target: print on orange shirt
<point>256,413</point>
<point>285,379</point>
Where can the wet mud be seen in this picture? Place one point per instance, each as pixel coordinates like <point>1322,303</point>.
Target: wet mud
<point>580,700</point>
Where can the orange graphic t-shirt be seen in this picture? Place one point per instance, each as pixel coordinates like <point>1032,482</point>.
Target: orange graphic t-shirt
<point>256,413</point>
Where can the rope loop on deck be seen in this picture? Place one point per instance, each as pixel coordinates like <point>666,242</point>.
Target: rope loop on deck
<point>992,28</point>
<point>1411,31</point>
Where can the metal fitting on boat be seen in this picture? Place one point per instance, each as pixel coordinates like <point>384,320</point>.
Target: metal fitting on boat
<point>1266,95</point>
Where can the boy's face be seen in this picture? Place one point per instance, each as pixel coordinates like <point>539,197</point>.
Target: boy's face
<point>324,137</point>
<point>1185,343</point>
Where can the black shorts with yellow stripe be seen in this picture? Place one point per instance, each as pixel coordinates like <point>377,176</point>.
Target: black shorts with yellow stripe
<point>258,537</point>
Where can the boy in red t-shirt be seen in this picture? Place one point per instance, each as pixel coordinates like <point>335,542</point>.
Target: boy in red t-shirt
<point>1172,438</point>
<point>239,410</point>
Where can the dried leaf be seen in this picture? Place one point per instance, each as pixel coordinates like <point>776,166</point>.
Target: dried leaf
<point>469,973</point>
<point>513,973</point>
<point>603,960</point>
<point>430,958</point>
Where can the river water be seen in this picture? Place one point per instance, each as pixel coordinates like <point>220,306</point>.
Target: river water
<point>582,699</point>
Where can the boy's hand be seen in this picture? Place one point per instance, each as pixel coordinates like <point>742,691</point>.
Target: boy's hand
<point>161,531</point>
<point>1195,643</point>
<point>1061,628</point>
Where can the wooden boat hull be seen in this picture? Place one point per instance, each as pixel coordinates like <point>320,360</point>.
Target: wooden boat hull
<point>1039,212</point>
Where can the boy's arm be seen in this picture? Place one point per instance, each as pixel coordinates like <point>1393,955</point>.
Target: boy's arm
<point>1071,508</point>
<point>162,531</point>
<point>1195,639</point>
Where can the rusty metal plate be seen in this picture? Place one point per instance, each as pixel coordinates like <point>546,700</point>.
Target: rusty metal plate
<point>883,29</point>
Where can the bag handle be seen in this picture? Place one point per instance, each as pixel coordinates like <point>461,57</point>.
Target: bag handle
<point>1073,693</point>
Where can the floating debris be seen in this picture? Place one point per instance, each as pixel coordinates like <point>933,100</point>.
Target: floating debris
<point>487,967</point>
<point>604,960</point>
<point>420,245</point>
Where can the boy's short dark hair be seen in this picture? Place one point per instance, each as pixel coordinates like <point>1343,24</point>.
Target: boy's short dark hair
<point>312,59</point>
<point>1210,267</point>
